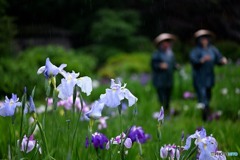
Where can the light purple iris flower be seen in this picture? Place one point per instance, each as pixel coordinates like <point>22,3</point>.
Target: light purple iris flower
<point>68,83</point>
<point>9,106</point>
<point>198,135</point>
<point>113,96</point>
<point>119,140</point>
<point>207,146</point>
<point>28,144</point>
<point>96,110</point>
<point>50,70</point>
<point>98,140</point>
<point>170,150</point>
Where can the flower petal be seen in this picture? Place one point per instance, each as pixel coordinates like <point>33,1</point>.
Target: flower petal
<point>85,83</point>
<point>41,70</point>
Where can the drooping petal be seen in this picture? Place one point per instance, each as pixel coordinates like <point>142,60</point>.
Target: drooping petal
<point>41,70</point>
<point>85,83</point>
<point>198,135</point>
<point>130,97</point>
<point>188,141</point>
<point>96,110</point>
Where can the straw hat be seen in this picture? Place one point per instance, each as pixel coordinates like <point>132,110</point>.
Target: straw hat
<point>203,32</point>
<point>163,37</point>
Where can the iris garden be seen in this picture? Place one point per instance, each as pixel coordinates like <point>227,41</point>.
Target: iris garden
<point>125,122</point>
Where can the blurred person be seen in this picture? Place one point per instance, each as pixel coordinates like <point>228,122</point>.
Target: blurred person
<point>163,65</point>
<point>204,56</point>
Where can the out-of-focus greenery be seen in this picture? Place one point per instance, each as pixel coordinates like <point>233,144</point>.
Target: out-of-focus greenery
<point>229,49</point>
<point>22,70</point>
<point>126,64</point>
<point>7,30</point>
<point>116,31</point>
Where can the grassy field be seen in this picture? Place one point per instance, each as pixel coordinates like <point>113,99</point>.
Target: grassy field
<point>61,124</point>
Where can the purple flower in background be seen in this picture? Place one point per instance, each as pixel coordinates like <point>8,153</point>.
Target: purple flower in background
<point>170,150</point>
<point>113,96</point>
<point>67,103</point>
<point>99,140</point>
<point>188,95</point>
<point>137,134</point>
<point>28,144</point>
<point>32,107</point>
<point>96,110</point>
<point>102,122</point>
<point>9,106</point>
<point>144,78</point>
<point>50,70</point>
<point>119,140</point>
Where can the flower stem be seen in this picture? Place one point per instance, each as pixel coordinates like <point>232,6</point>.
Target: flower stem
<point>43,138</point>
<point>78,119</point>
<point>190,153</point>
<point>120,117</point>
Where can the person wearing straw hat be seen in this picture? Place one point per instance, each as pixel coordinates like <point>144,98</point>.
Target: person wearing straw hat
<point>163,65</point>
<point>204,57</point>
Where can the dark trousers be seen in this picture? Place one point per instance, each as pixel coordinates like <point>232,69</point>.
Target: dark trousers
<point>164,96</point>
<point>204,95</point>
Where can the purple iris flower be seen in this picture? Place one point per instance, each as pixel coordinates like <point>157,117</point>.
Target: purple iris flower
<point>113,96</point>
<point>137,134</point>
<point>99,140</point>
<point>50,70</point>
<point>9,106</point>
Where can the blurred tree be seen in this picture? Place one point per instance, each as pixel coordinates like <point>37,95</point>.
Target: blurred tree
<point>7,30</point>
<point>115,28</point>
<point>156,16</point>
